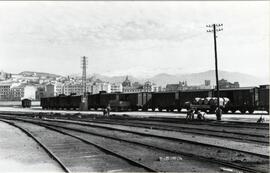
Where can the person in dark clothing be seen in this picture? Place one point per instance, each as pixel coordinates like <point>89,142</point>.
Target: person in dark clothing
<point>200,115</point>
<point>260,120</point>
<point>108,109</point>
<point>190,114</point>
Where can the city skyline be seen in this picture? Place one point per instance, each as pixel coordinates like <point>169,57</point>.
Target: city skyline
<point>135,38</point>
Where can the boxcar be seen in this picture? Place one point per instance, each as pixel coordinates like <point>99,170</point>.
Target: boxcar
<point>263,94</point>
<point>63,102</point>
<point>43,103</point>
<point>165,100</point>
<point>105,98</point>
<point>74,102</point>
<point>26,103</point>
<point>93,101</point>
<point>137,101</point>
<point>242,99</point>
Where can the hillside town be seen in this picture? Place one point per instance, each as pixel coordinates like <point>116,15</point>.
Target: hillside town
<point>31,85</point>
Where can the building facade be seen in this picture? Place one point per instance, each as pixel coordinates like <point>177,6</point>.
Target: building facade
<point>101,86</point>
<point>116,87</point>
<point>30,92</point>
<point>49,90</point>
<point>225,84</point>
<point>5,91</point>
<point>73,88</point>
<point>17,92</point>
<point>40,93</point>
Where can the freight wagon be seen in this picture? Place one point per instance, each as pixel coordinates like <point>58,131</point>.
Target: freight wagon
<point>263,94</point>
<point>165,100</point>
<point>26,103</point>
<point>243,99</point>
<point>137,101</point>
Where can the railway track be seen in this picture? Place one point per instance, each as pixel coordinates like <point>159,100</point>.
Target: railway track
<point>216,153</point>
<point>234,124</point>
<point>201,130</point>
<point>73,145</point>
<point>149,163</point>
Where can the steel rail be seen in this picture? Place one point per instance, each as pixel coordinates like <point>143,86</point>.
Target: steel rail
<point>232,165</point>
<point>182,129</point>
<point>151,135</point>
<point>40,144</point>
<point>168,150</point>
<point>85,141</point>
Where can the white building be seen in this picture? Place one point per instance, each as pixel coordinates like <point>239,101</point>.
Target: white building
<point>17,92</point>
<point>30,92</point>
<point>71,88</point>
<point>102,86</point>
<point>5,91</point>
<point>58,88</point>
<point>150,87</point>
<point>116,87</point>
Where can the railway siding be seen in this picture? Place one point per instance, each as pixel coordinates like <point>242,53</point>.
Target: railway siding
<point>149,156</point>
<point>76,155</point>
<point>182,144</point>
<point>247,147</point>
<point>261,136</point>
<point>146,156</point>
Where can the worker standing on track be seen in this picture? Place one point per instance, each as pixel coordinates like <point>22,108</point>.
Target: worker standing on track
<point>104,112</point>
<point>108,109</point>
<point>190,114</point>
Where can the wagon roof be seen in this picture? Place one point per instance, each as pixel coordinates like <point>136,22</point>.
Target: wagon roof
<point>242,88</point>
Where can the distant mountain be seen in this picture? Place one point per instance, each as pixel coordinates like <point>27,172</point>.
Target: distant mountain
<point>192,79</point>
<point>198,78</point>
<point>115,79</point>
<point>39,74</point>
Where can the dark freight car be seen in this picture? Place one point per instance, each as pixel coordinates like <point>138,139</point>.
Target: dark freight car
<point>242,99</point>
<point>165,100</point>
<point>137,101</point>
<point>74,102</point>
<point>93,101</point>
<point>105,99</point>
<point>64,102</point>
<point>52,102</point>
<point>26,103</point>
<point>263,94</point>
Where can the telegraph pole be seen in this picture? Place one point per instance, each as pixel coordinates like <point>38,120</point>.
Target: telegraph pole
<point>84,101</point>
<point>216,28</point>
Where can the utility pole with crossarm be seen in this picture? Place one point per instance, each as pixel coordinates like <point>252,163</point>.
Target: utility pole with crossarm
<point>216,28</point>
<point>84,101</point>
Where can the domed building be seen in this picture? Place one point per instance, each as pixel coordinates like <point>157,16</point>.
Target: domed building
<point>126,83</point>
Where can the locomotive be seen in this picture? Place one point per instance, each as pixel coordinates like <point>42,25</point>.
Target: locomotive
<point>244,99</point>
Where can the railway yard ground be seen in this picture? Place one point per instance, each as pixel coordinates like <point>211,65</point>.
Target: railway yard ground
<point>39,140</point>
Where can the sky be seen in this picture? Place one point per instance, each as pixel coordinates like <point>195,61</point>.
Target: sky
<point>140,38</point>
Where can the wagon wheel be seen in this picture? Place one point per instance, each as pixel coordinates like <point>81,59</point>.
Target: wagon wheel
<point>233,111</point>
<point>243,111</point>
<point>250,111</point>
<point>225,111</point>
